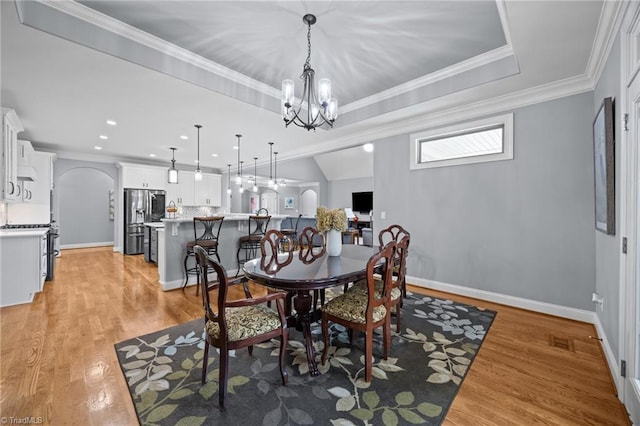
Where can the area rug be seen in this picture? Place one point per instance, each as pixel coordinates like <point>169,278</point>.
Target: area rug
<point>428,360</point>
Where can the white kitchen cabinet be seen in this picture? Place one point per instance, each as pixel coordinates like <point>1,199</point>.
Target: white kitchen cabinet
<point>23,265</point>
<point>24,154</point>
<point>207,192</point>
<point>144,177</point>
<point>11,126</point>
<point>42,162</point>
<point>185,186</point>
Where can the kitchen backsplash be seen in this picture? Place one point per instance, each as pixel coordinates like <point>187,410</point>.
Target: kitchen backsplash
<point>188,212</point>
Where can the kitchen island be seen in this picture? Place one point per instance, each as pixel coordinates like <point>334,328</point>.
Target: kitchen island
<point>173,239</point>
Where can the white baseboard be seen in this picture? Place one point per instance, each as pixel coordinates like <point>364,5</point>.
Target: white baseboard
<point>518,302</point>
<point>175,284</point>
<point>86,245</point>
<point>117,249</point>
<point>536,306</point>
<point>618,380</point>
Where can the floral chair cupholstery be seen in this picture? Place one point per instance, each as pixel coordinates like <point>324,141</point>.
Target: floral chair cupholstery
<point>239,323</point>
<point>398,280</point>
<point>364,311</point>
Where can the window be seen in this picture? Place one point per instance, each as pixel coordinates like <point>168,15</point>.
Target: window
<point>472,142</point>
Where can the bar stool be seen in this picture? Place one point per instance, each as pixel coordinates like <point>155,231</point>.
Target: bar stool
<point>208,240</point>
<point>292,232</point>
<point>250,243</point>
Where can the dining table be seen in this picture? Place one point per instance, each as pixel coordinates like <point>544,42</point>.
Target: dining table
<point>304,271</point>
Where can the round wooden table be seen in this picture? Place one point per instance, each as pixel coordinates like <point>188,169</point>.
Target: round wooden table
<point>307,271</point>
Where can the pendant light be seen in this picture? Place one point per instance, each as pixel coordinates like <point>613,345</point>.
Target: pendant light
<point>198,175</point>
<point>241,190</point>
<point>173,172</point>
<point>239,176</point>
<point>275,170</point>
<point>255,174</point>
<point>270,184</point>
<point>229,179</point>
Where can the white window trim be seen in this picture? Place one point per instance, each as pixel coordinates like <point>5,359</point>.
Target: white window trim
<point>506,121</point>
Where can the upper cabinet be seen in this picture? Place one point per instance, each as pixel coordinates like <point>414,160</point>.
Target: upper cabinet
<point>207,192</point>
<point>189,192</point>
<point>143,177</point>
<point>11,126</point>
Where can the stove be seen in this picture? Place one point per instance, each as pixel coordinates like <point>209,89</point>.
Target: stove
<point>26,226</point>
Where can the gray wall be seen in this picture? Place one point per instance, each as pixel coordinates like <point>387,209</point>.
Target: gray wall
<point>81,201</point>
<point>607,247</point>
<point>340,191</point>
<point>523,227</point>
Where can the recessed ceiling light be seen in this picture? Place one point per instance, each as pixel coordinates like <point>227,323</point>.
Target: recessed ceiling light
<point>184,138</point>
<point>111,123</point>
<point>368,147</point>
<point>214,155</point>
<point>235,147</point>
<point>152,155</point>
<point>97,147</point>
<point>104,137</point>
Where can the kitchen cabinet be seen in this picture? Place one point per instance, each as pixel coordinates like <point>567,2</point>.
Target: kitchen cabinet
<point>42,162</point>
<point>144,177</point>
<point>23,265</point>
<point>189,192</point>
<point>11,126</point>
<point>181,193</point>
<point>207,192</point>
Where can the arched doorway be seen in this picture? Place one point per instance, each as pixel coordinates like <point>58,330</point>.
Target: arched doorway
<point>308,203</point>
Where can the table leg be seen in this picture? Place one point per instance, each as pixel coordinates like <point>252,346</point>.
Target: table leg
<point>303,302</point>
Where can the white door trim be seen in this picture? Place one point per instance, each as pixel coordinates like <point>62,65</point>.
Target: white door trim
<point>629,387</point>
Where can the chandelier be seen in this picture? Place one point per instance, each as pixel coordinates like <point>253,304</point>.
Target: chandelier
<point>313,110</point>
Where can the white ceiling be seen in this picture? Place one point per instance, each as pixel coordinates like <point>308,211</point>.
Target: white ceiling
<point>158,68</point>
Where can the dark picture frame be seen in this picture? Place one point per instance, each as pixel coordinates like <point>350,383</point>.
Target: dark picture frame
<point>604,168</point>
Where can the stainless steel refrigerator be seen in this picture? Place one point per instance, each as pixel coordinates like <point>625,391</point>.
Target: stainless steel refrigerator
<point>140,206</point>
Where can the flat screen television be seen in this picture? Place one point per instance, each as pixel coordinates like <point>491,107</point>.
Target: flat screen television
<point>362,201</point>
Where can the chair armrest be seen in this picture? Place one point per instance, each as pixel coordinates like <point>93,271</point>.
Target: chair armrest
<point>256,301</point>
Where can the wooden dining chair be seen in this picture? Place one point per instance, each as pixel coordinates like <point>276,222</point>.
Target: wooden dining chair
<point>395,233</point>
<point>312,244</point>
<point>397,280</point>
<point>364,311</point>
<point>238,323</point>
<point>276,251</point>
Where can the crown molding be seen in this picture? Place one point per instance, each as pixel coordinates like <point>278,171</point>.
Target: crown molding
<point>608,27</point>
<point>443,74</point>
<point>129,32</point>
<point>423,116</point>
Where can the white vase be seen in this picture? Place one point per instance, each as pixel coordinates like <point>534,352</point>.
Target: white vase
<point>334,242</point>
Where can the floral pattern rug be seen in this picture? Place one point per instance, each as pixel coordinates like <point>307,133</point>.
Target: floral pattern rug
<point>428,360</point>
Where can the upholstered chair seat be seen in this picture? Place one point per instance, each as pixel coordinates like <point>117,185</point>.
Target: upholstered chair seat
<point>361,288</point>
<point>246,322</point>
<point>352,307</point>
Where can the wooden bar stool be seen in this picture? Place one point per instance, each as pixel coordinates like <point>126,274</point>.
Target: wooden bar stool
<point>208,239</point>
<point>250,243</point>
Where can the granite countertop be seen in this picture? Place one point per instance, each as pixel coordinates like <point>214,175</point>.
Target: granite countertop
<point>154,224</point>
<point>227,217</point>
<point>17,233</point>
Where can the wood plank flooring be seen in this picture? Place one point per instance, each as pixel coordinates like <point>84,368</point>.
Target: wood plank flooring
<point>58,361</point>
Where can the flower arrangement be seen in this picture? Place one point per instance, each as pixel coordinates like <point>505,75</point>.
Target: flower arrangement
<point>331,219</point>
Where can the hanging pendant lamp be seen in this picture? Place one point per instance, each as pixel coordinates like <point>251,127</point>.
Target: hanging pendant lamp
<point>255,174</point>
<point>239,176</point>
<point>270,183</point>
<point>172,175</point>
<point>275,170</point>
<point>241,190</point>
<point>198,174</point>
<point>228,178</point>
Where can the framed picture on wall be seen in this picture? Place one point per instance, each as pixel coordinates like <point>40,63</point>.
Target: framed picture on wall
<point>604,168</point>
<point>289,203</point>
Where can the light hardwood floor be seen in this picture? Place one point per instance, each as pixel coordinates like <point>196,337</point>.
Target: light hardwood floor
<point>58,361</point>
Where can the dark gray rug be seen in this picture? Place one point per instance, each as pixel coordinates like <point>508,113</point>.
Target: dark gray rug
<point>416,385</point>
